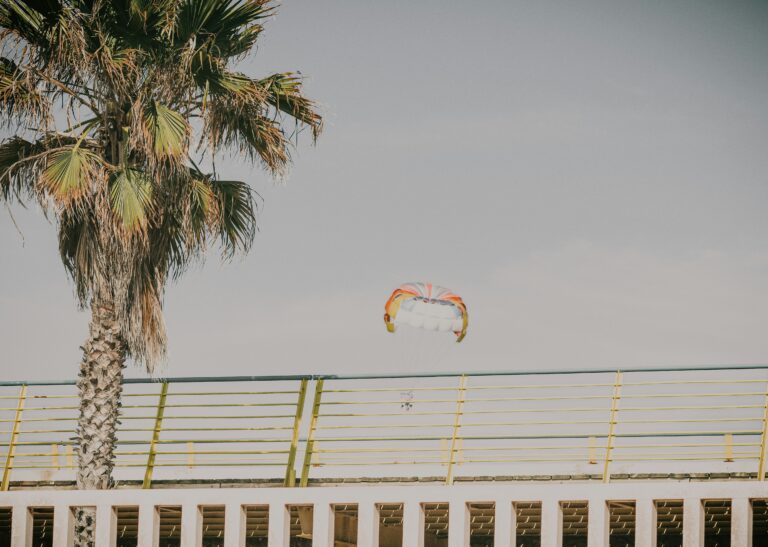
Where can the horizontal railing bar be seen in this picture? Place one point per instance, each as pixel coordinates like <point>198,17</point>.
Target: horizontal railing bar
<point>690,382</point>
<point>212,405</point>
<point>581,447</point>
<point>74,418</point>
<point>52,419</point>
<point>537,386</point>
<point>468,400</point>
<point>711,407</point>
<point>196,452</point>
<point>605,384</point>
<point>465,412</point>
<point>220,452</point>
<point>542,386</point>
<point>357,463</point>
<point>531,423</point>
<point>567,458</point>
<point>149,429</point>
<point>640,456</point>
<point>380,426</point>
<point>135,442</point>
<point>540,372</point>
<point>178,380</point>
<point>382,389</point>
<point>436,438</point>
<point>487,387</point>
<point>559,436</point>
<point>212,441</point>
<point>687,458</point>
<point>29,396</point>
<point>40,431</point>
<point>34,408</point>
<point>406,450</point>
<point>383,414</point>
<point>692,395</point>
<point>297,377</point>
<point>488,424</point>
<point>685,445</point>
<point>690,420</point>
<point>196,393</point>
<point>548,457</point>
<point>43,467</point>
<point>203,463</point>
<point>200,463</point>
<point>235,417</point>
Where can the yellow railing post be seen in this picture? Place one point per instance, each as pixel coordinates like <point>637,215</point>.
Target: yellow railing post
<point>592,458</point>
<point>763,442</point>
<point>728,447</point>
<point>311,436</point>
<point>461,396</point>
<point>190,454</point>
<point>14,438</point>
<point>612,426</point>
<point>290,470</point>
<point>155,436</point>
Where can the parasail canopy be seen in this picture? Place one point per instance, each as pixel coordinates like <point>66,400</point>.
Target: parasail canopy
<point>426,306</point>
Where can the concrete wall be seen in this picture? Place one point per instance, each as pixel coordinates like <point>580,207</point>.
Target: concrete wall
<point>550,494</point>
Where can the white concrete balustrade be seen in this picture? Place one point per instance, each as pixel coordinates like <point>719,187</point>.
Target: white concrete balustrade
<point>554,498</point>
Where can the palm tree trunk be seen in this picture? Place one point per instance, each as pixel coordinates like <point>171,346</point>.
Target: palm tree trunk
<point>100,384</point>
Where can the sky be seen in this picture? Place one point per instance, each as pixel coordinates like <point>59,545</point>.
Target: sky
<point>590,176</point>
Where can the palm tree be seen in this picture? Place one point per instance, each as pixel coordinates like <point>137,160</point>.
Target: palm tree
<point>109,101</point>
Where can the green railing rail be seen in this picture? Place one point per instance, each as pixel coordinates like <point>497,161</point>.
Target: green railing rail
<point>376,376</point>
<point>598,422</point>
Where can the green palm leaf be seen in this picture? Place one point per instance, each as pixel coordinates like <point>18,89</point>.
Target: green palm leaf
<point>69,172</point>
<point>229,26</point>
<point>130,195</point>
<point>283,91</point>
<point>168,130</point>
<point>237,220</point>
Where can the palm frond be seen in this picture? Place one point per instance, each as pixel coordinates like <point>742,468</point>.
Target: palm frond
<point>130,193</point>
<point>80,249</point>
<point>145,334</point>
<point>20,96</point>
<point>52,32</point>
<point>247,129</point>
<point>118,61</point>
<point>24,21</point>
<point>69,172</point>
<point>23,164</point>
<point>168,131</point>
<point>230,27</point>
<point>12,152</point>
<point>236,221</point>
<point>203,207</point>
<point>283,91</point>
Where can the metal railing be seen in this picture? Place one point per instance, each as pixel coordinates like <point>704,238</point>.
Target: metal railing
<point>597,423</point>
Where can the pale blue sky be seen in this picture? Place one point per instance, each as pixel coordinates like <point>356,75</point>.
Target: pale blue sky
<point>591,176</point>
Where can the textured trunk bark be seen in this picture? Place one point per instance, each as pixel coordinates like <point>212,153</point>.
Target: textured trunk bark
<point>100,384</point>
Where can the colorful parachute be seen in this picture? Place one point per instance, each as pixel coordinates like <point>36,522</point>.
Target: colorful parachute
<point>426,306</point>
